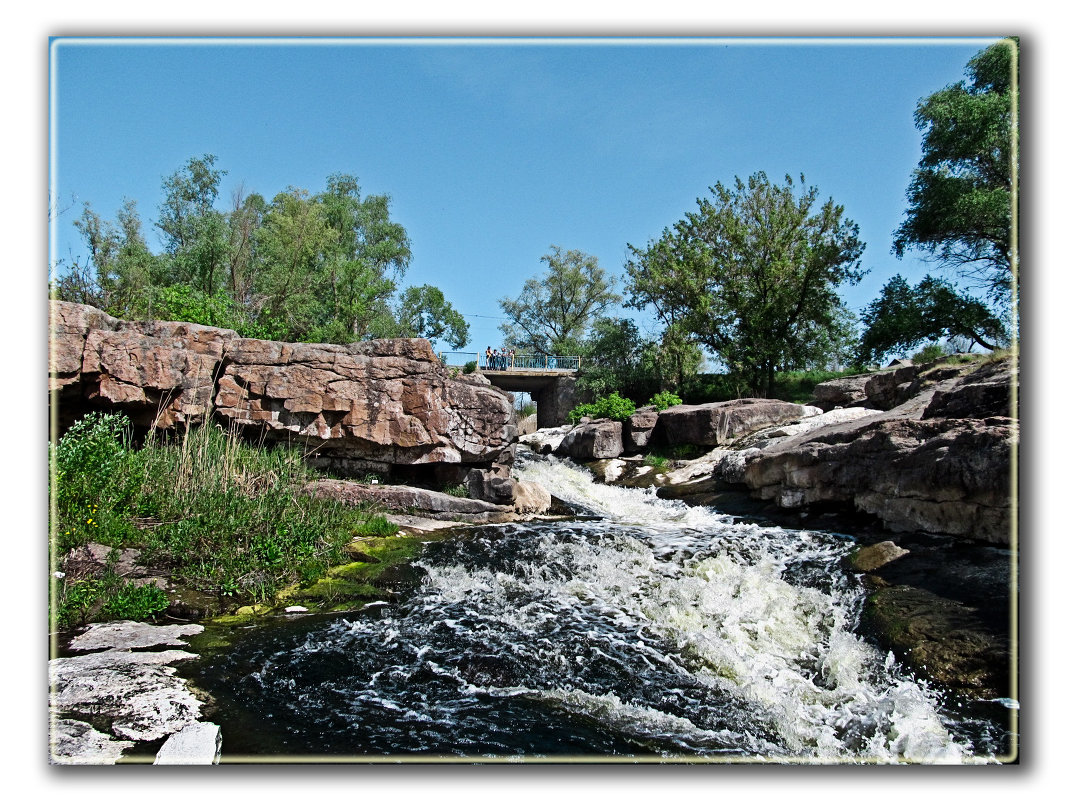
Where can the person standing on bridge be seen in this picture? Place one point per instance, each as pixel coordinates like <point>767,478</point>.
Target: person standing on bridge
<point>489,355</point>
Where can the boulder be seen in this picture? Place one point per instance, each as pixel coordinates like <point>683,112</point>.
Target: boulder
<point>638,429</point>
<point>843,392</point>
<point>545,440</point>
<point>531,498</point>
<point>398,498</point>
<point>596,439</point>
<point>872,557</point>
<point>491,487</point>
<point>712,424</point>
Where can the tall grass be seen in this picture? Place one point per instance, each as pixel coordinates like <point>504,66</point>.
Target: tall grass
<point>220,515</point>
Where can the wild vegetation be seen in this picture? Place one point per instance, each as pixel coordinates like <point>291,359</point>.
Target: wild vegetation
<point>221,516</point>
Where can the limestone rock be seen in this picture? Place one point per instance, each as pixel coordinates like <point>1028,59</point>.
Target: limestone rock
<point>843,392</point>
<point>712,424</point>
<point>531,498</point>
<point>72,742</point>
<point>546,440</point>
<point>129,635</point>
<point>137,690</point>
<point>398,497</point>
<point>872,557</point>
<point>597,439</point>
<point>638,429</point>
<point>196,744</point>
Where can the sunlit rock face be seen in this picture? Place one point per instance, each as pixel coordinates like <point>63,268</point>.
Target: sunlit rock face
<point>365,405</point>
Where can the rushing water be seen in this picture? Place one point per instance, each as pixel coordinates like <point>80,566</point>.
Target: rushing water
<point>646,629</point>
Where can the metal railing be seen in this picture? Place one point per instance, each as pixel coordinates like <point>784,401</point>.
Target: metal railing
<point>521,361</point>
<point>529,361</point>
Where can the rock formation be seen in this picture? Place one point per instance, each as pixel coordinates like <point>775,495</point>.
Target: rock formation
<point>712,424</point>
<point>914,467</point>
<point>363,406</point>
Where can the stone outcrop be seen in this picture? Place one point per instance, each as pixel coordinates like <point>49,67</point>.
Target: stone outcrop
<point>358,407</point>
<point>638,429</point>
<point>912,469</point>
<point>712,424</point>
<point>595,439</point>
<point>399,498</point>
<point>872,557</point>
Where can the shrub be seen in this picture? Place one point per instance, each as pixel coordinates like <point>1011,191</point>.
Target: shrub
<point>929,353</point>
<point>612,407</point>
<point>665,400</point>
<point>470,367</point>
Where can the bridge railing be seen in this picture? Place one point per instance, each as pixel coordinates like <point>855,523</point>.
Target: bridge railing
<point>521,361</point>
<point>529,361</point>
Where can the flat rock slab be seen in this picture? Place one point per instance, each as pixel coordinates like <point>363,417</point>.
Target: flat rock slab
<point>196,744</point>
<point>136,690</point>
<point>417,524</point>
<point>129,635</point>
<point>72,742</point>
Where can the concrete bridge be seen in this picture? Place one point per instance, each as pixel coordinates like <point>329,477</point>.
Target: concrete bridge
<point>549,380</point>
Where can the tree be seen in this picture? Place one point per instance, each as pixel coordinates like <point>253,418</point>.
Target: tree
<point>424,312</point>
<point>903,317</point>
<point>962,197</point>
<point>120,271</point>
<point>196,236</point>
<point>366,259</point>
<point>554,311</point>
<point>751,275</point>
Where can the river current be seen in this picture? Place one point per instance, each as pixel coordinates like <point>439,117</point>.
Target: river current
<point>642,630</point>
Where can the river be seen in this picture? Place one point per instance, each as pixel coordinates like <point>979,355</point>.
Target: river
<point>642,630</point>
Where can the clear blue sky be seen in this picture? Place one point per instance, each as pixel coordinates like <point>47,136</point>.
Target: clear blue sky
<point>493,150</point>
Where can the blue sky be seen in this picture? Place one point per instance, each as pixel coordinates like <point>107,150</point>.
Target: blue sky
<point>493,150</point>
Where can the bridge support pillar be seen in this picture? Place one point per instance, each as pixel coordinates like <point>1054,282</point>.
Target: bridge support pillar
<point>555,401</point>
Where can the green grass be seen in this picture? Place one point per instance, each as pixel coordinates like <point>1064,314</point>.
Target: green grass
<point>219,515</point>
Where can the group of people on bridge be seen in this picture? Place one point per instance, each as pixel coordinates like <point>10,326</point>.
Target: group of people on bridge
<point>499,359</point>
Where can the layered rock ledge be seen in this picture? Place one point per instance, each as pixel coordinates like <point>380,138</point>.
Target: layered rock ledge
<point>366,406</point>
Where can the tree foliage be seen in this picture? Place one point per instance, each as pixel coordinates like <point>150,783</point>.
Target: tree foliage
<point>320,267</point>
<point>903,317</point>
<point>752,276</point>
<point>961,198</point>
<point>554,311</point>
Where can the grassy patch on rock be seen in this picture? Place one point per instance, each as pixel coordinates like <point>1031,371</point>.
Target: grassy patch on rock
<point>219,516</point>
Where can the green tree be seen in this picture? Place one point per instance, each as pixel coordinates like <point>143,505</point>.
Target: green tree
<point>120,272</point>
<point>554,311</point>
<point>364,262</point>
<point>903,317</point>
<point>196,235</point>
<point>962,196</point>
<point>752,276</point>
<point>291,244</point>
<point>423,312</point>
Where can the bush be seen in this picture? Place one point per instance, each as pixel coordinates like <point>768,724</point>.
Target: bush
<point>470,367</point>
<point>612,407</point>
<point>665,400</point>
<point>929,353</point>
